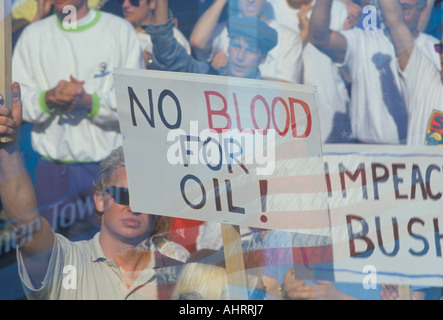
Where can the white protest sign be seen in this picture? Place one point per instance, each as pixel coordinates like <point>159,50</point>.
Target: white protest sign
<point>386,213</point>
<point>237,151</point>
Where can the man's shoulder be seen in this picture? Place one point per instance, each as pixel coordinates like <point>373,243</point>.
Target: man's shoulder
<point>112,24</point>
<point>426,38</point>
<point>419,63</point>
<point>89,246</point>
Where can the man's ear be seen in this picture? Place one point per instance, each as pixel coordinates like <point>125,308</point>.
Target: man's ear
<point>99,201</point>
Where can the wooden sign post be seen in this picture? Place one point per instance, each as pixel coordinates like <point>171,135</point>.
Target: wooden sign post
<point>404,292</point>
<point>5,55</point>
<point>235,266</point>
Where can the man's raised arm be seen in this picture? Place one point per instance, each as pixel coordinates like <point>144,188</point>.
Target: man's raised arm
<point>400,34</point>
<point>161,14</point>
<point>326,40</point>
<point>204,27</point>
<point>18,196</point>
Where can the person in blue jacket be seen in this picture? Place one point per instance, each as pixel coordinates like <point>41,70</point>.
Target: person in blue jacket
<point>250,41</point>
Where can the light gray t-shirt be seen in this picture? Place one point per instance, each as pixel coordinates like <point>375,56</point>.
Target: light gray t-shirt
<point>80,270</point>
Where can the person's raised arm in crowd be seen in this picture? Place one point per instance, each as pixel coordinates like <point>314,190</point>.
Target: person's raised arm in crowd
<point>244,45</point>
<point>304,22</point>
<point>141,12</point>
<point>425,16</point>
<point>168,53</point>
<point>204,27</point>
<point>161,15</point>
<point>402,37</point>
<point>423,78</point>
<point>326,40</point>
<point>18,196</point>
<point>354,13</point>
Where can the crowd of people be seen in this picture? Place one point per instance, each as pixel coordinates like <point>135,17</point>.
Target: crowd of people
<point>378,71</point>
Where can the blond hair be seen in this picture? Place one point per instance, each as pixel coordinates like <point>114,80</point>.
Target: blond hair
<point>115,160</point>
<point>206,281</point>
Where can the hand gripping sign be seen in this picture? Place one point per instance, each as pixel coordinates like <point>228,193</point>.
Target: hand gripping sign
<point>229,150</point>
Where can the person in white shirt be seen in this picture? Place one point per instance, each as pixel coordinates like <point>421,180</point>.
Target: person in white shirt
<point>377,111</point>
<point>424,81</point>
<point>320,71</point>
<point>68,96</point>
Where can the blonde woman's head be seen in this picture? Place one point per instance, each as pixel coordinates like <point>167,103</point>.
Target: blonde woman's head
<point>203,277</point>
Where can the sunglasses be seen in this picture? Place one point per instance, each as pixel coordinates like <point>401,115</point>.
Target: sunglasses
<point>134,3</point>
<point>407,7</point>
<point>438,47</point>
<point>119,194</point>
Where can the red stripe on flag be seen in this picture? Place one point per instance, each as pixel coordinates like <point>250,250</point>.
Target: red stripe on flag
<point>288,256</point>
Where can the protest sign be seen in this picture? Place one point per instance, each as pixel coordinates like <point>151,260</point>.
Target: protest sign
<point>237,151</point>
<point>225,150</point>
<point>386,213</point>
